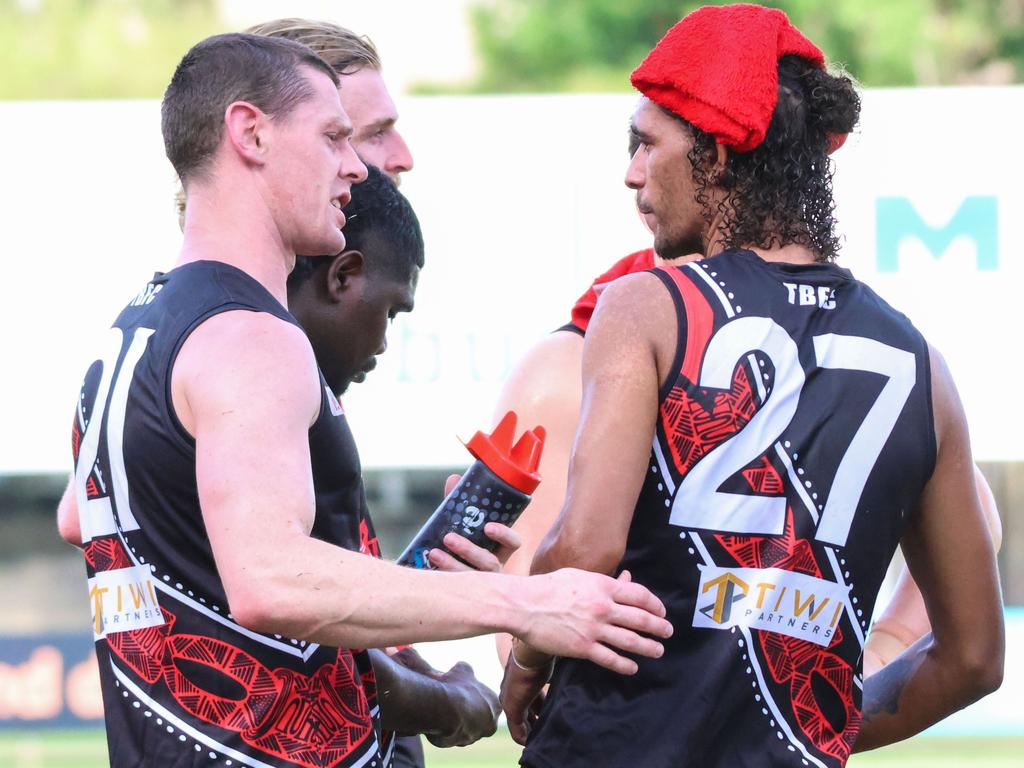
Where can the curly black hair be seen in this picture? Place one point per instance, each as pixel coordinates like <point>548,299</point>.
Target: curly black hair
<point>780,192</point>
<point>382,224</point>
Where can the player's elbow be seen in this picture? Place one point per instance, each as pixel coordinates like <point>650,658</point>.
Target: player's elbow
<point>250,610</point>
<point>596,554</point>
<point>603,559</point>
<point>67,524</point>
<point>986,673</point>
<point>980,662</point>
<point>272,606</point>
<point>260,608</point>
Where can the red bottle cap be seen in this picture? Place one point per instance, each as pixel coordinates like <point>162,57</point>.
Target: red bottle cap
<point>515,464</point>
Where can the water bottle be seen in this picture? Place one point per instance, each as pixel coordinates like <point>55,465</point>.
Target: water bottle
<point>496,488</point>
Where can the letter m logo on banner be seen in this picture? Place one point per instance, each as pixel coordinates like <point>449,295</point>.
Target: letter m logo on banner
<point>976,219</point>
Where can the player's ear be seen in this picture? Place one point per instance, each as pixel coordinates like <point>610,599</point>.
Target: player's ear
<point>244,126</point>
<point>718,173</point>
<point>346,268</point>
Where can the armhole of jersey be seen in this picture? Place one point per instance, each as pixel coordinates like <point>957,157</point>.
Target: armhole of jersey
<point>325,407</point>
<point>571,328</point>
<point>182,437</point>
<point>933,438</point>
<point>677,359</point>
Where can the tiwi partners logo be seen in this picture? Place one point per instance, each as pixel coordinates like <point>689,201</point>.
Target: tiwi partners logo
<point>770,599</point>
<point>123,600</point>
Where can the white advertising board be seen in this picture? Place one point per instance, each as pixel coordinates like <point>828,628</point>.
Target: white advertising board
<point>522,203</point>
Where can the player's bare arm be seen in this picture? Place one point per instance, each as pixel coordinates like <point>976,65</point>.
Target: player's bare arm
<point>905,620</point>
<point>67,516</point>
<point>544,388</point>
<point>250,423</point>
<point>622,371</point>
<point>950,555</point>
<point>621,376</point>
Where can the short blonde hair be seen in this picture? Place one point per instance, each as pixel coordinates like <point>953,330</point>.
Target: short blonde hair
<point>344,50</point>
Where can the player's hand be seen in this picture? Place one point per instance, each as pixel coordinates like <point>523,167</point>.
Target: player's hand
<point>410,658</point>
<point>522,695</point>
<point>475,707</point>
<point>591,616</point>
<point>473,557</point>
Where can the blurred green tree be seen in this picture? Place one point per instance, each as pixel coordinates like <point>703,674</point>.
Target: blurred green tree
<point>84,49</point>
<point>592,45</point>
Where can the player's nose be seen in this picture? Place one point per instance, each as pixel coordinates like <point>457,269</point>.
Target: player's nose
<point>400,158</point>
<point>352,168</point>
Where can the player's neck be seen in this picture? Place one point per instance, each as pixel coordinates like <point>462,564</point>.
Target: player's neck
<point>788,254</point>
<point>224,228</point>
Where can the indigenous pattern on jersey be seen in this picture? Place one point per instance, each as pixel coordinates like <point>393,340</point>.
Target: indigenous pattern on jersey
<point>794,438</point>
<point>583,309</point>
<point>183,683</point>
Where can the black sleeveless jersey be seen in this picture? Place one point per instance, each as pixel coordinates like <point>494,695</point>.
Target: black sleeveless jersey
<point>794,438</point>
<point>183,683</point>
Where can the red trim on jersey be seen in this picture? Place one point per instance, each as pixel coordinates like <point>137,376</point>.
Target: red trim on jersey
<point>583,310</point>
<point>700,322</point>
<point>314,720</point>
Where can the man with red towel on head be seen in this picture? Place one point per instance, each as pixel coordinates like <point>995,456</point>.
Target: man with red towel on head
<point>759,432</point>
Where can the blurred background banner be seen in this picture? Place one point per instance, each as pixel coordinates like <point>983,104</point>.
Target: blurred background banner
<point>49,681</point>
<point>522,205</point>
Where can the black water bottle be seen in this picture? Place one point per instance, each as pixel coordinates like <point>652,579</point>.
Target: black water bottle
<point>496,488</point>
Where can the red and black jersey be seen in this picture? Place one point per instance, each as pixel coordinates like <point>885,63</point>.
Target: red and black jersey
<point>583,309</point>
<point>183,683</point>
<point>794,439</point>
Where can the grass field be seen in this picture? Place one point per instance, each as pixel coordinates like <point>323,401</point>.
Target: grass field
<point>87,749</point>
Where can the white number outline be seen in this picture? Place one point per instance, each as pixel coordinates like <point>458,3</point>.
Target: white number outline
<point>698,502</point>
<point>857,353</point>
<point>733,511</point>
<point>96,515</point>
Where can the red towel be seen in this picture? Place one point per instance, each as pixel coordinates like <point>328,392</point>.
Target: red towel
<point>718,69</point>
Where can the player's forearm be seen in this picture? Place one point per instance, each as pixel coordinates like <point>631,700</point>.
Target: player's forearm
<point>886,641</point>
<point>67,517</point>
<point>919,688</point>
<point>562,548</point>
<point>315,591</point>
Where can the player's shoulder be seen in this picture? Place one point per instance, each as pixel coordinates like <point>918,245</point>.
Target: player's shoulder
<point>246,346</point>
<point>548,373</point>
<point>633,295</point>
<point>249,333</point>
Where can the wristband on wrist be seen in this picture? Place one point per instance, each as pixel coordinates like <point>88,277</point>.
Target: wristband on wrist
<point>543,665</point>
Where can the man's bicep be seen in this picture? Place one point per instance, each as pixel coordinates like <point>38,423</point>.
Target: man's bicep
<point>619,409</point>
<point>251,405</point>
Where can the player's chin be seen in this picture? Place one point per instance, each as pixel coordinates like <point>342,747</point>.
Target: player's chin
<point>329,241</point>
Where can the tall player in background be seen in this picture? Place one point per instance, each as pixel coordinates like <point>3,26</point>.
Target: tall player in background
<point>544,388</point>
<point>377,141</point>
<point>800,428</point>
<point>364,95</point>
<point>204,444</point>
